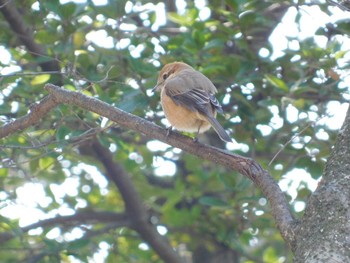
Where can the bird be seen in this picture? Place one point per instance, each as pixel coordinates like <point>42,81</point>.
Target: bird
<point>188,100</point>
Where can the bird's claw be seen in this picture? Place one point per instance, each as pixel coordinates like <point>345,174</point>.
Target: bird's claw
<point>169,129</point>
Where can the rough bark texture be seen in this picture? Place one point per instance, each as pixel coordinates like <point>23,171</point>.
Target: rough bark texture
<point>324,234</point>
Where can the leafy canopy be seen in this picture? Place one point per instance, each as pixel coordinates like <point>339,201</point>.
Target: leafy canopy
<point>271,94</point>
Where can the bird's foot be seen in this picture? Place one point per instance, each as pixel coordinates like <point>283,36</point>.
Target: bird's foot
<point>168,130</point>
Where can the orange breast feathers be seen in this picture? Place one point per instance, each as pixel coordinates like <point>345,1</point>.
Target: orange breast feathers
<point>188,101</point>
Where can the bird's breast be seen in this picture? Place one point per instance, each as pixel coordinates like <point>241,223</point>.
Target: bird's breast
<point>182,118</point>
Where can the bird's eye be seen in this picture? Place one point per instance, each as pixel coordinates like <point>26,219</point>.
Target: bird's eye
<point>165,76</point>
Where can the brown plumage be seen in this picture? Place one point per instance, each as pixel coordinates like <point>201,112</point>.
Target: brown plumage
<point>188,101</point>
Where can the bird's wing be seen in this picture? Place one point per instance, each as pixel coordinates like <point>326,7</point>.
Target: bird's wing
<point>215,103</point>
<point>195,99</point>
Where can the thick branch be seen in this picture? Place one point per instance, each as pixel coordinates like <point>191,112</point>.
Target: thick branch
<point>339,158</point>
<point>324,230</point>
<point>243,165</point>
<point>37,111</point>
<point>136,211</point>
<point>82,217</point>
<point>133,202</point>
<point>25,34</point>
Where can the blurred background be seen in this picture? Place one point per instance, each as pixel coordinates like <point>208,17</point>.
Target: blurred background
<point>282,73</point>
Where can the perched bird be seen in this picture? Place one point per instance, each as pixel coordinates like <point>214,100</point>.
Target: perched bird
<point>188,101</point>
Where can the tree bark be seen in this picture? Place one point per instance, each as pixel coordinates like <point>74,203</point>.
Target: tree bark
<point>324,233</point>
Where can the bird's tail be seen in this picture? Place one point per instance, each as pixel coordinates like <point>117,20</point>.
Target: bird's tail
<point>219,129</point>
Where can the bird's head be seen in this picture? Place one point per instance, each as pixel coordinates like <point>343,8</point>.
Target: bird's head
<point>169,71</point>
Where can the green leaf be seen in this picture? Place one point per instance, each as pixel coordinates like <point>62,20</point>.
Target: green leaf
<point>187,19</point>
<point>133,100</point>
<point>3,172</point>
<point>278,83</point>
<point>212,201</point>
<point>8,79</point>
<point>78,244</point>
<point>340,54</point>
<point>46,162</point>
<point>270,255</point>
<point>299,103</point>
<point>247,18</point>
<point>40,79</point>
<point>45,37</point>
<point>299,90</point>
<point>61,133</point>
<point>176,18</point>
<point>213,69</point>
<point>198,37</point>
<point>52,6</point>
<point>66,10</point>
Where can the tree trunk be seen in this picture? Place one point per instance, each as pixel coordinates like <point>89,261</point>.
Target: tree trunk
<point>324,234</point>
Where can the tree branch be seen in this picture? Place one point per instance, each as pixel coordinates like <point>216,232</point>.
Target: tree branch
<point>246,166</point>
<point>117,174</point>
<point>25,34</point>
<point>81,217</point>
<point>37,111</point>
<point>324,232</point>
<point>137,213</point>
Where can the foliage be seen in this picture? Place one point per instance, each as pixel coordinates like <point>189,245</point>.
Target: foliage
<point>113,52</point>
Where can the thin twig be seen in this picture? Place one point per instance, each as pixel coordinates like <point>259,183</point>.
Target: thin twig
<point>295,136</point>
<point>341,6</point>
<point>289,141</point>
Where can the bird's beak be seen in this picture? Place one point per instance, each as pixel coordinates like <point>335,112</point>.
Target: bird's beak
<point>156,88</point>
